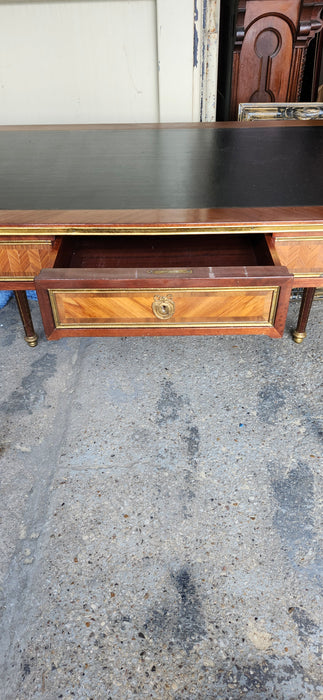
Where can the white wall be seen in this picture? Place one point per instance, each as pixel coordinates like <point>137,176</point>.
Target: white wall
<point>91,61</point>
<point>99,61</point>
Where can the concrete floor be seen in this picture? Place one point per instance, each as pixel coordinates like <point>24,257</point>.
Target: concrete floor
<point>160,516</point>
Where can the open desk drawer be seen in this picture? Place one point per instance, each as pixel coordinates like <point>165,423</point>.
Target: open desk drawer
<point>164,285</point>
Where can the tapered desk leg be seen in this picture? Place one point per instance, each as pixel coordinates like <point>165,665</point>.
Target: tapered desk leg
<point>31,337</point>
<point>299,334</point>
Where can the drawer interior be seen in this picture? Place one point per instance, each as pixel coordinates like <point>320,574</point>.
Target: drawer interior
<point>232,250</point>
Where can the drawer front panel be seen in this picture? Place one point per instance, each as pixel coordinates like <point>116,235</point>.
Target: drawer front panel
<point>156,308</point>
<point>24,260</point>
<point>303,256</point>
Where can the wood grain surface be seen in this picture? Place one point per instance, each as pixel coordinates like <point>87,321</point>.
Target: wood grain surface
<point>135,308</point>
<point>302,255</point>
<point>25,258</point>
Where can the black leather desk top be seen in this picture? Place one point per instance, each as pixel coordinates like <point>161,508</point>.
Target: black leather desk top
<point>180,168</point>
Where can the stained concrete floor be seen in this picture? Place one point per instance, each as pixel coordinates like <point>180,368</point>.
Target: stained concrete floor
<point>160,516</point>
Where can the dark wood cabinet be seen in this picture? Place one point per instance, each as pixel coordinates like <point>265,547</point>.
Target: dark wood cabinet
<point>270,43</point>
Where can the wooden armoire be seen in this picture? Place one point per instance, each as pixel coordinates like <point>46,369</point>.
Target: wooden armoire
<point>263,51</point>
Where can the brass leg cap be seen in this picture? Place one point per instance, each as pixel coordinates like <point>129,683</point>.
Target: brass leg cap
<point>32,340</point>
<point>298,337</point>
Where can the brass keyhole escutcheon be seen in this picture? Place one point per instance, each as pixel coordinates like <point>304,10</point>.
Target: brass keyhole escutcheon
<point>163,307</point>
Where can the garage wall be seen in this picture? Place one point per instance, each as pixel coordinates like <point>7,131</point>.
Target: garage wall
<point>98,61</point>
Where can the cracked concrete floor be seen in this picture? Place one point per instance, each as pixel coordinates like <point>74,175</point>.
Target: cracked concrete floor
<point>160,516</point>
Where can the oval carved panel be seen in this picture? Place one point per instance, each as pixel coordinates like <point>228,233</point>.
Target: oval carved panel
<point>266,51</point>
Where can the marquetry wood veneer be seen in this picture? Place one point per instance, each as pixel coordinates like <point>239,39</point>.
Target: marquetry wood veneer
<point>193,308</point>
<point>23,258</point>
<point>303,255</point>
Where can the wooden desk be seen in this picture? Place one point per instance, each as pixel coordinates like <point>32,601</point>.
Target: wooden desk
<point>154,230</point>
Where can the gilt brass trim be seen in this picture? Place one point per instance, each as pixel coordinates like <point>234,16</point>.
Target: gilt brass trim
<point>17,279</point>
<point>286,239</point>
<point>163,306</point>
<point>213,324</point>
<point>28,243</point>
<point>32,340</point>
<point>298,337</point>
<point>309,275</point>
<point>270,227</point>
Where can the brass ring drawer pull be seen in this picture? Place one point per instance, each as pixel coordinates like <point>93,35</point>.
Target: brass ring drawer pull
<point>163,307</point>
